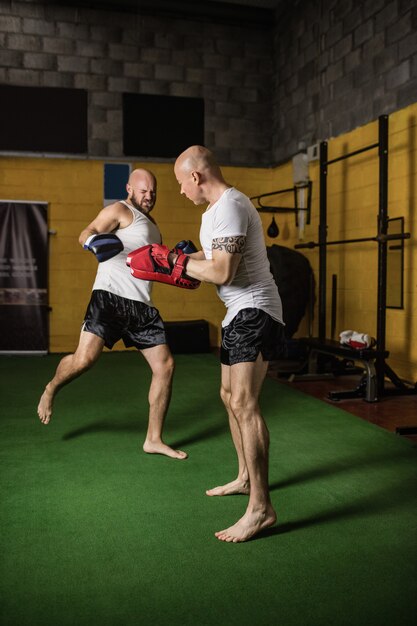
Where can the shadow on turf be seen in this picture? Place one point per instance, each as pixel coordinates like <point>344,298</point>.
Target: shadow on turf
<point>372,503</point>
<point>327,516</point>
<point>112,427</point>
<point>103,427</point>
<point>339,466</point>
<point>208,433</point>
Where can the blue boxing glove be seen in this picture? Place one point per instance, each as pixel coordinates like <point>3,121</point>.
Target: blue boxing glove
<point>185,246</point>
<point>104,246</point>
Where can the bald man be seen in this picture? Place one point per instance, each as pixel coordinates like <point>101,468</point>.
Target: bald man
<point>233,257</point>
<point>121,308</point>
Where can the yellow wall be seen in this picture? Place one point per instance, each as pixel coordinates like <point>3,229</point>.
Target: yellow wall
<point>352,213</point>
<point>74,190</point>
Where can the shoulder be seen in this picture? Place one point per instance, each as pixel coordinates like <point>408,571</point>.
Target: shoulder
<point>233,199</point>
<point>118,210</point>
<point>233,205</point>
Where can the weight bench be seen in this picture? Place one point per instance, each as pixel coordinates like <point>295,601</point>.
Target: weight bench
<point>368,386</point>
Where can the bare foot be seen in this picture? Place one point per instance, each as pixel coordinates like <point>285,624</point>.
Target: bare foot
<point>162,448</point>
<point>248,526</point>
<point>45,406</point>
<point>231,489</point>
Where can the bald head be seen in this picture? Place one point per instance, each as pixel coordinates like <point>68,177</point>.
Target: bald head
<point>141,189</point>
<point>197,158</point>
<point>199,176</point>
<point>140,174</point>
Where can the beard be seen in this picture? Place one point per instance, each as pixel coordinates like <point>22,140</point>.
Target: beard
<point>145,206</point>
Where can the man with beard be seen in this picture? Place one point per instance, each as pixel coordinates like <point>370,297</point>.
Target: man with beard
<point>121,307</point>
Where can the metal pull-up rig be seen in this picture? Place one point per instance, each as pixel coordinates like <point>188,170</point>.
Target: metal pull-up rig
<point>374,386</point>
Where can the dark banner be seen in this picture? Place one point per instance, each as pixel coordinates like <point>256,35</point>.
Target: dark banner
<point>23,277</point>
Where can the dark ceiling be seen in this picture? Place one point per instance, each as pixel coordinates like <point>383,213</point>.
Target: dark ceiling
<point>259,13</point>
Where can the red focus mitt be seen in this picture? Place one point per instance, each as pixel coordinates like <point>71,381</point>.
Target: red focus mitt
<point>151,263</point>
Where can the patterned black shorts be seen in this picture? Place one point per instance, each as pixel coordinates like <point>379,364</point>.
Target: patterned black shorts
<point>112,318</point>
<point>252,331</point>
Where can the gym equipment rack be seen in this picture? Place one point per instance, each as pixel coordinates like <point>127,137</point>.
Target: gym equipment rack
<point>372,385</point>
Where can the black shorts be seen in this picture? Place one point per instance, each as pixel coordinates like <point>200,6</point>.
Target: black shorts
<point>112,318</point>
<point>252,331</point>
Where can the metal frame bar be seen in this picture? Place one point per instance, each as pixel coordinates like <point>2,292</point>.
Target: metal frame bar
<point>262,208</point>
<point>401,248</point>
<point>393,237</point>
<point>382,248</point>
<point>354,153</point>
<point>323,241</point>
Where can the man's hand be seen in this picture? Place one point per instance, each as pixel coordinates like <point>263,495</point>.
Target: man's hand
<point>186,246</point>
<point>103,245</point>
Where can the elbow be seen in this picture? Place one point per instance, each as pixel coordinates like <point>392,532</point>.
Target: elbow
<point>226,269</point>
<point>226,279</point>
<point>84,235</point>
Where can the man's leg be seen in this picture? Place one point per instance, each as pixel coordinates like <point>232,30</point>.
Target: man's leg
<point>241,483</point>
<point>246,383</point>
<point>89,349</point>
<point>161,363</point>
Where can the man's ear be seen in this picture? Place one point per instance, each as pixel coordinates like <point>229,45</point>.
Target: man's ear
<point>196,177</point>
<point>128,189</point>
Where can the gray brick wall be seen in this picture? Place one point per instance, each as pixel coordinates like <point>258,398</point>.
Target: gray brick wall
<point>365,65</point>
<point>108,53</point>
<point>326,67</point>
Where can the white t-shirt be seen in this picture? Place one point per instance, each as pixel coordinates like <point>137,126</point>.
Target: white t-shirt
<point>114,275</point>
<point>253,286</point>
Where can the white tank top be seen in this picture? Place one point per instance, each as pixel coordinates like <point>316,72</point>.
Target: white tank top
<point>114,275</point>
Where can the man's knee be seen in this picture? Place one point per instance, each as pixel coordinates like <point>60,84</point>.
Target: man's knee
<point>84,361</point>
<point>225,396</point>
<point>242,405</point>
<point>169,365</point>
<point>164,367</point>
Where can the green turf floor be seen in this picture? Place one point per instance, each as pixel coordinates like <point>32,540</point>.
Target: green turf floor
<point>95,532</point>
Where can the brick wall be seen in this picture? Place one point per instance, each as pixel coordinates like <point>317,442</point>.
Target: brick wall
<point>108,53</point>
<point>328,66</point>
<point>339,65</point>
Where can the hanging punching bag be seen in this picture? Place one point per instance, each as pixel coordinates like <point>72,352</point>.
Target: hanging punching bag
<point>273,230</point>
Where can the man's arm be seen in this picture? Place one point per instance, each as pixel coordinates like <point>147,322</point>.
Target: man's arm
<point>221,269</point>
<point>108,220</point>
<point>197,256</point>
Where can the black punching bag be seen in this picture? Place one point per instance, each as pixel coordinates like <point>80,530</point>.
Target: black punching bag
<point>294,277</point>
<point>273,230</point>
